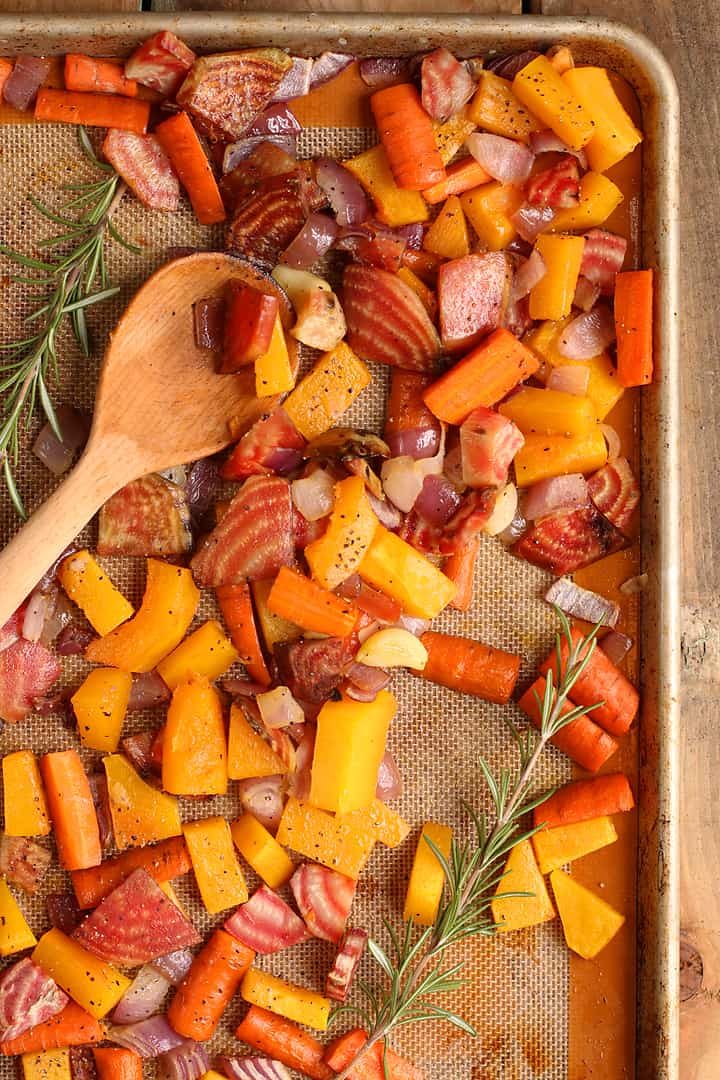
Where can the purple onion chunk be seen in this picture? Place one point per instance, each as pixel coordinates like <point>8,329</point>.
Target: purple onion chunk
<point>149,1038</point>
<point>189,1061</point>
<point>143,998</point>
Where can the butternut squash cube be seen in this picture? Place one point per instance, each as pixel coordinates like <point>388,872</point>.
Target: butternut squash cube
<point>598,198</point>
<point>94,985</point>
<point>274,372</point>
<point>495,108</point>
<point>207,652</point>
<point>249,755</point>
<point>615,136</point>
<point>340,551</point>
<point>549,412</point>
<point>604,389</point>
<point>293,1002</point>
<point>327,391</point>
<point>540,88</point>
<point>100,705</point>
<point>395,206</point>
<point>217,870</point>
<point>521,876</point>
<point>274,629</point>
<point>448,234</point>
<point>89,586</point>
<point>489,209</point>
<point>543,456</point>
<point>342,843</point>
<point>552,296</point>
<point>450,137</point>
<point>427,877</point>
<point>24,802</point>
<point>349,747</point>
<point>387,826</point>
<point>565,843</point>
<point>194,760</point>
<point>140,813</point>
<point>15,934</point>
<point>47,1065</point>
<point>257,846</point>
<point>589,923</point>
<point>394,567</point>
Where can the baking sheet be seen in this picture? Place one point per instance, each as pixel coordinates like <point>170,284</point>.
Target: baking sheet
<point>519,991</point>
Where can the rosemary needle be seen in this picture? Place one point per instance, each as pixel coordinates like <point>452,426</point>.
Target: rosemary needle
<point>71,274</point>
<point>413,965</point>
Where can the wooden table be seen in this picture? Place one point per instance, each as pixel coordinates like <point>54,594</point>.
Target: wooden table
<point>689,35</point>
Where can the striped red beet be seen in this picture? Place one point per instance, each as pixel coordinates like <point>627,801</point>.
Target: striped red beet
<point>446,84</point>
<point>557,187</point>
<point>616,493</point>
<point>565,542</point>
<point>324,898</point>
<point>387,321</point>
<point>603,257</point>
<point>266,923</point>
<point>145,167</point>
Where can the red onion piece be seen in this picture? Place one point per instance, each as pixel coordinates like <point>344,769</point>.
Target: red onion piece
<point>314,495</point>
<point>365,680</point>
<point>438,500</point>
<point>58,455</point>
<point>300,776</point>
<point>201,486</point>
<point>175,965</point>
<point>139,749</point>
<point>148,1038</point>
<point>209,322</point>
<point>236,152</point>
<point>385,512</point>
<point>73,640</point>
<point>414,624</point>
<point>616,646</point>
<point>315,238</point>
<point>530,221</point>
<point>506,160</point>
<point>253,1068</point>
<point>416,443</point>
<point>556,495</point>
<point>412,234</point>
<point>264,798</point>
<point>507,65</point>
<point>613,442</point>
<point>63,911</point>
<point>582,603</point>
<point>147,691</point>
<point>296,80</point>
<point>381,71</point>
<point>143,998</point>
<point>277,119</point>
<point>587,294</point>
<point>101,801</point>
<point>327,66</point>
<point>24,81</point>
<point>242,687</point>
<point>527,276</point>
<point>544,142</point>
<point>389,781</point>
<point>570,379</point>
<point>278,709</point>
<point>588,335</point>
<point>345,195</point>
<point>189,1061</point>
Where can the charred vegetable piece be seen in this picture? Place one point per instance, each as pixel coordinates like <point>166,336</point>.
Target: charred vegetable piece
<point>469,520</point>
<point>136,923</point>
<point>267,161</point>
<point>616,493</point>
<point>253,539</point>
<point>324,898</point>
<point>161,63</point>
<point>271,216</point>
<point>249,323</point>
<point>272,445</point>
<point>342,973</point>
<point>313,669</point>
<point>145,167</point>
<point>266,923</point>
<point>472,298</point>
<point>149,516</point>
<point>387,321</point>
<point>23,862</point>
<point>566,542</point>
<point>343,442</point>
<point>27,671</point>
<point>27,997</point>
<point>226,91</point>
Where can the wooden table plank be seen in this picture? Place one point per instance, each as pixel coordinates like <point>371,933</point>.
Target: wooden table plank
<point>68,7</point>
<point>687,33</point>
<point>417,7</point>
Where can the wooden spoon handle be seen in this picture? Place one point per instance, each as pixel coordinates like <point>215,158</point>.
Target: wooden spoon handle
<point>53,526</point>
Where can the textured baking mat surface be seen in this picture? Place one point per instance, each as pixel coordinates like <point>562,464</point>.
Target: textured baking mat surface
<point>518,985</point>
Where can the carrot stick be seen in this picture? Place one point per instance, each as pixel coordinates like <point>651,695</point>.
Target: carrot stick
<point>180,142</point>
<point>407,135</point>
<point>342,1052</point>
<point>422,263</point>
<point>284,1041</point>
<point>206,990</point>
<point>236,605</point>
<point>460,568</point>
<point>583,800</point>
<point>634,327</point>
<point>5,71</point>
<point>112,1063</point>
<point>164,861</point>
<point>470,667</point>
<point>101,76</point>
<point>483,377</point>
<point>72,811</point>
<point>305,603</point>
<point>460,177</point>
<point>406,410</point>
<point>600,681</point>
<point>71,1027</point>
<point>94,110</point>
<point>582,740</point>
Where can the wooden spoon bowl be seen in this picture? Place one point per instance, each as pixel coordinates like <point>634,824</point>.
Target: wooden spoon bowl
<point>159,403</point>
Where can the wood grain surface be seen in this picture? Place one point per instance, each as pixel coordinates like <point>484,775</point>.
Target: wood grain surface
<point>689,35</point>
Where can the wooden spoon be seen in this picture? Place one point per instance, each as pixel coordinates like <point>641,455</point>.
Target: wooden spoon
<point>159,403</point>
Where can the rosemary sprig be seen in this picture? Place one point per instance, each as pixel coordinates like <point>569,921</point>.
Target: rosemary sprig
<point>413,964</point>
<point>70,274</point>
